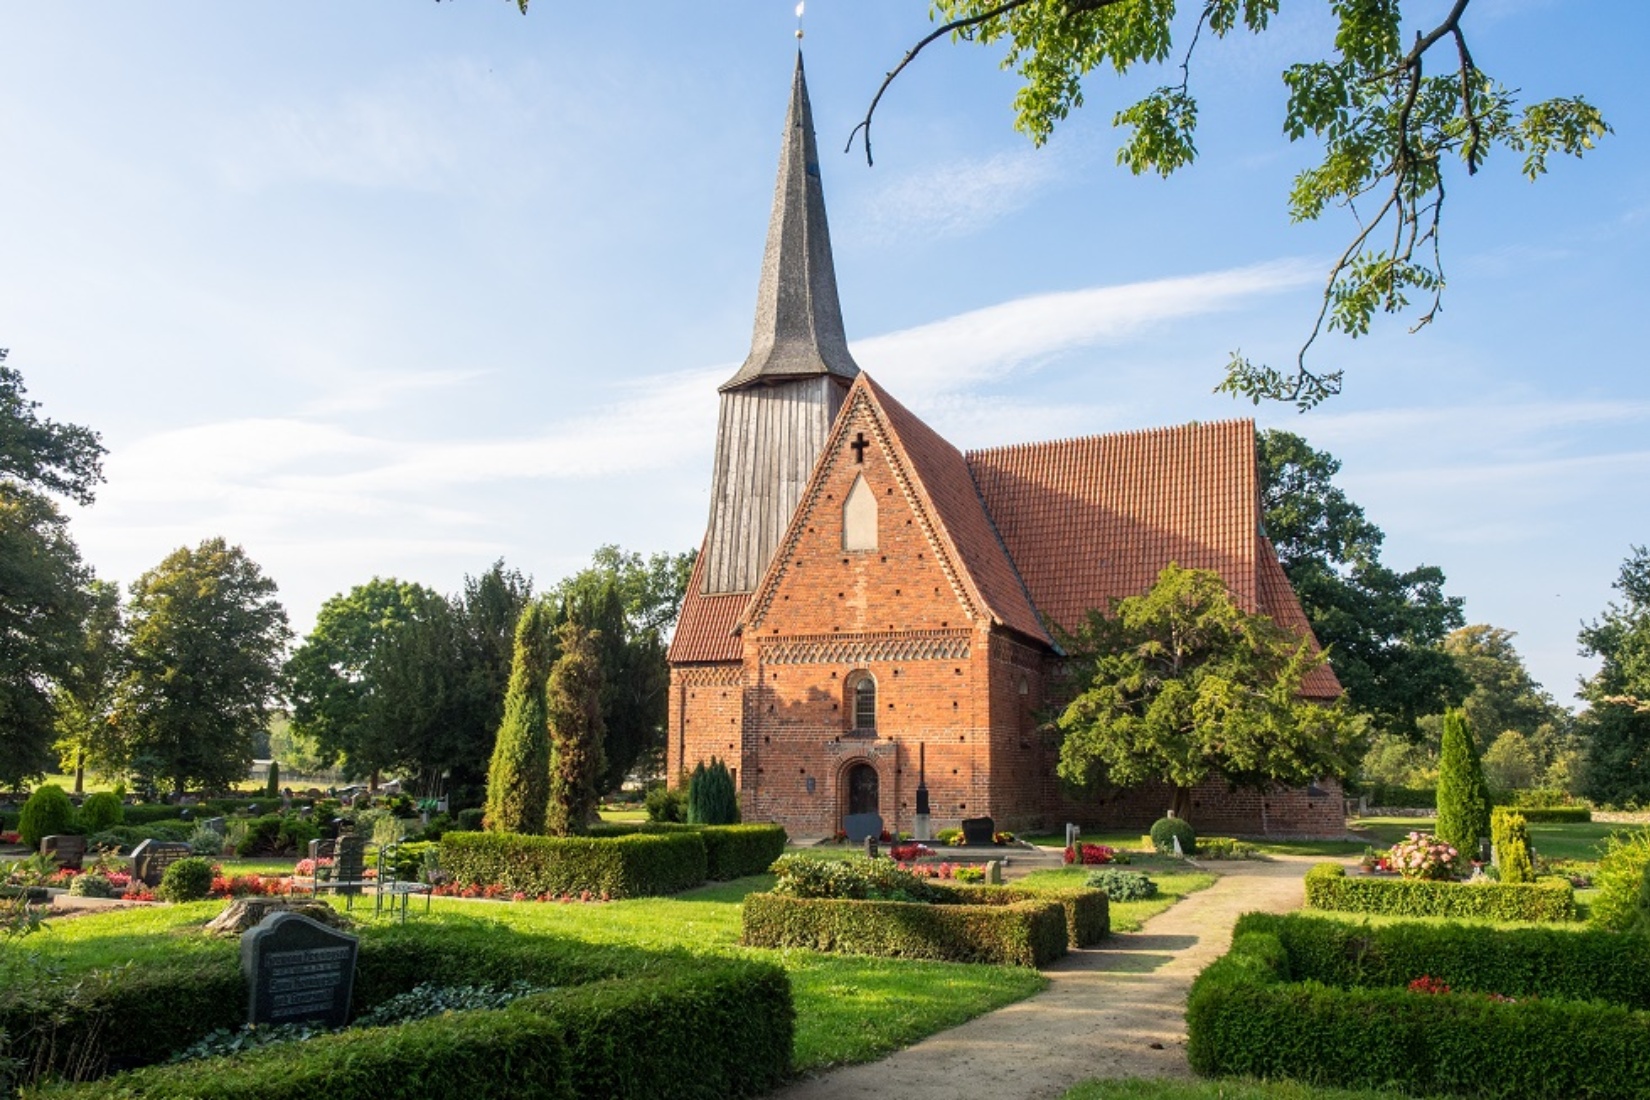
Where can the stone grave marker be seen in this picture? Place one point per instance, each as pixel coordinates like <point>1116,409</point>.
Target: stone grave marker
<point>217,825</point>
<point>860,826</point>
<point>979,830</point>
<point>151,859</point>
<point>297,971</point>
<point>870,847</point>
<point>67,851</point>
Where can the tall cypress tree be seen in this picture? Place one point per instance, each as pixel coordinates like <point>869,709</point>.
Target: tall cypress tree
<point>574,701</point>
<point>1463,796</point>
<point>518,779</point>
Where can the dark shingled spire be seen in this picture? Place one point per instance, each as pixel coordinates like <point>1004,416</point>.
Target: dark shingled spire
<point>798,319</point>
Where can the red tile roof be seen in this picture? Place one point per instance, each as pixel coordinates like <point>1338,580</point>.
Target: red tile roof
<point>942,478</point>
<point>704,631</point>
<point>1278,599</point>
<point>1089,520</point>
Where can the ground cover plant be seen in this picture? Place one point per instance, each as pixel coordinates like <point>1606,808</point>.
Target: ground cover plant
<point>1427,1007</point>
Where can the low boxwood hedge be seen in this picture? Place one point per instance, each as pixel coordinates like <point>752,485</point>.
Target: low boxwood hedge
<point>1088,912</point>
<point>674,997</point>
<point>1328,886</point>
<point>635,865</point>
<point>1555,815</point>
<point>731,851</point>
<point>1019,933</point>
<point>1265,1009</point>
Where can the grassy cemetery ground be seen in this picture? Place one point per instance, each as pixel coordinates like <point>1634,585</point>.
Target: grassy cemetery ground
<point>849,1008</point>
<point>1579,841</point>
<point>1174,881</point>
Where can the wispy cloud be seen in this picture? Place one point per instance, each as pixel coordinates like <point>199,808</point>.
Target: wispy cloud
<point>954,198</point>
<point>363,392</point>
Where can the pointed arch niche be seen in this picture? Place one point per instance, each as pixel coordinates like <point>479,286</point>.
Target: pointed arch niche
<point>859,517</point>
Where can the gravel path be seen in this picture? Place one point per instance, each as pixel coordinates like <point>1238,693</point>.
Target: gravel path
<point>1114,1011</point>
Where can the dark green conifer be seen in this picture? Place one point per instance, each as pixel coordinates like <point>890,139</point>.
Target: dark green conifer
<point>712,799</point>
<point>518,779</point>
<point>574,701</point>
<point>1463,796</point>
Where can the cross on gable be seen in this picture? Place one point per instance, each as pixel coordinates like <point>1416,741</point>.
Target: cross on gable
<point>859,444</point>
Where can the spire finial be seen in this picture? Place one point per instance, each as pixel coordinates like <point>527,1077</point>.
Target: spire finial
<point>799,5</point>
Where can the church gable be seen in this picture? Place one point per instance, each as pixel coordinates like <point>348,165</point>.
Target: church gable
<point>862,553</point>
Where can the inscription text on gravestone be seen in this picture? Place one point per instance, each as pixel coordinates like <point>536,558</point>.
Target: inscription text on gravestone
<point>297,970</point>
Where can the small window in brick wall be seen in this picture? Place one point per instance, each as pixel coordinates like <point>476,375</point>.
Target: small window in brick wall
<point>863,693</point>
<point>859,517</point>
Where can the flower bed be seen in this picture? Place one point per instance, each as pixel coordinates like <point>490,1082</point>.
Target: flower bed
<point>1092,854</point>
<point>1427,1009</point>
<point>1329,887</point>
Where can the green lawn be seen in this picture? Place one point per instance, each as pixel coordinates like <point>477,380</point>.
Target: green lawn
<point>1174,881</point>
<point>850,1008</point>
<point>1133,841</point>
<point>1230,1088</point>
<point>1580,841</point>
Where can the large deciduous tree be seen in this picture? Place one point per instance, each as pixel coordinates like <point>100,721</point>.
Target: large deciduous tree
<point>1616,726</point>
<point>631,604</point>
<point>573,701</point>
<point>1504,697</point>
<point>204,662</point>
<point>1383,628</point>
<point>85,695</point>
<point>1399,108</point>
<point>518,778</point>
<point>64,459</point>
<point>42,604</point>
<point>1180,684</point>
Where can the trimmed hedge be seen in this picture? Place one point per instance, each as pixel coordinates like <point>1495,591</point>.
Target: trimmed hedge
<point>1262,1010</point>
<point>618,867</point>
<point>1018,933</point>
<point>674,997</point>
<point>1088,912</point>
<point>731,851</point>
<point>1555,815</point>
<point>1329,887</point>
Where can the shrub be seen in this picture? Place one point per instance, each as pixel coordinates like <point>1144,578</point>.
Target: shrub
<point>1424,856</point>
<point>272,788</point>
<point>1165,829</point>
<point>1022,933</point>
<point>734,851</point>
<point>667,804</point>
<point>206,841</point>
<point>1463,796</point>
<point>1620,880</point>
<point>1512,845</point>
<point>801,876</point>
<point>189,879</point>
<point>711,798</point>
<point>1121,885</point>
<point>1329,887</point>
<point>1325,1002</point>
<point>101,811</point>
<point>573,704</point>
<point>91,886</point>
<point>1224,847</point>
<point>48,812</point>
<point>277,834</point>
<point>469,821</point>
<point>1556,815</point>
<point>1088,912</point>
<point>518,777</point>
<point>613,867</point>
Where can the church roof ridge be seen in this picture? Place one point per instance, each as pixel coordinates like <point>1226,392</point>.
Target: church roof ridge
<point>1127,433</point>
<point>798,330</point>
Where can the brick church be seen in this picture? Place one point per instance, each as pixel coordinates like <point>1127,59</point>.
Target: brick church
<point>869,600</point>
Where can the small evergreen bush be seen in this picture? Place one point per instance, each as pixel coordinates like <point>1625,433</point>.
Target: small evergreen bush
<point>1225,847</point>
<point>858,879</point>
<point>1621,880</point>
<point>667,805</point>
<point>1512,845</point>
<point>711,798</point>
<point>91,886</point>
<point>189,879</point>
<point>48,812</point>
<point>1165,829</point>
<point>101,811</point>
<point>272,789</point>
<point>469,821</point>
<point>1122,885</point>
<point>206,841</point>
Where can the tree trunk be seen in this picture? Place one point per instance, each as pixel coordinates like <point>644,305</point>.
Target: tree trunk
<point>1182,804</point>
<point>79,772</point>
<point>372,782</point>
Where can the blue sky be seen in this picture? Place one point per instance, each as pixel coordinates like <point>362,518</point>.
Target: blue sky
<point>399,288</point>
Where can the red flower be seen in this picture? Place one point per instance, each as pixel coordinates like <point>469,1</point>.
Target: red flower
<point>1428,984</point>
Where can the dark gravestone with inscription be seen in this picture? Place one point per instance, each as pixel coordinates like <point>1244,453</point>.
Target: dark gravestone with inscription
<point>151,859</point>
<point>297,971</point>
<point>978,830</point>
<point>67,851</point>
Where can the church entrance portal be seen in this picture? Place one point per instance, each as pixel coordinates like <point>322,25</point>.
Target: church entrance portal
<point>862,789</point>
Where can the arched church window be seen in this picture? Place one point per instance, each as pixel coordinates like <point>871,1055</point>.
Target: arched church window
<point>864,689</point>
<point>859,517</point>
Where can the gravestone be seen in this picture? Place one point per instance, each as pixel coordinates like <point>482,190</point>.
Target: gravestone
<point>1072,833</point>
<point>297,971</point>
<point>151,859</point>
<point>67,851</point>
<point>994,872</point>
<point>217,825</point>
<point>979,830</point>
<point>860,826</point>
